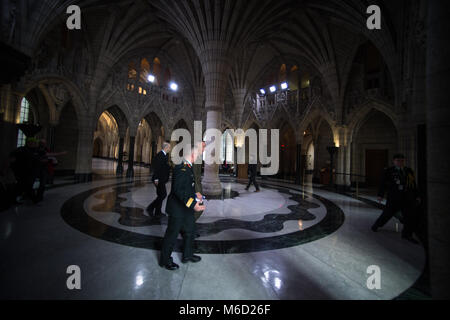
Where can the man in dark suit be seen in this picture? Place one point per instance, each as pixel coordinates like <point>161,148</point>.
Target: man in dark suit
<point>402,195</point>
<point>181,206</point>
<point>161,173</point>
<point>252,171</point>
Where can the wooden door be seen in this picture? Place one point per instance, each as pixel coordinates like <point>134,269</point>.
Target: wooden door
<point>376,161</point>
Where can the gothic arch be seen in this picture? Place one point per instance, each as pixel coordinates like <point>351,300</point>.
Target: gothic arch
<point>358,117</point>
<point>74,91</point>
<point>119,115</point>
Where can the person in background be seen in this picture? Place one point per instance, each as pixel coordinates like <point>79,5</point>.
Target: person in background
<point>402,195</point>
<point>49,160</point>
<point>252,171</point>
<point>25,165</point>
<point>8,186</point>
<point>161,173</point>
<point>43,154</point>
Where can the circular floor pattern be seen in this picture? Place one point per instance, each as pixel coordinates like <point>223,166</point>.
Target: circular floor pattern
<point>115,213</point>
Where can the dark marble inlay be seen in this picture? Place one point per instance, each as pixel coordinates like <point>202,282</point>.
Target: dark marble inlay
<point>135,217</point>
<point>74,214</point>
<point>129,216</point>
<point>270,223</point>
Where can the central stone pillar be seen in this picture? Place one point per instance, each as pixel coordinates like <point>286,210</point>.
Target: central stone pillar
<point>83,170</point>
<point>130,170</point>
<point>216,69</point>
<point>211,182</point>
<point>239,102</point>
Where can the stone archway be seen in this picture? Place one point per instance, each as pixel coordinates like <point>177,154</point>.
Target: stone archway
<point>375,141</point>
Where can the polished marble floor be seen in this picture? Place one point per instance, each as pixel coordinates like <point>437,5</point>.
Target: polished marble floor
<point>286,242</point>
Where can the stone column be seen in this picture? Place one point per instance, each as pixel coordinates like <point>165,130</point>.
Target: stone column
<point>199,100</point>
<point>343,158</point>
<point>211,182</point>
<point>216,69</point>
<point>298,173</point>
<point>343,167</point>
<point>340,165</point>
<point>51,136</point>
<point>239,96</point>
<point>119,170</point>
<point>348,164</point>
<point>438,133</point>
<point>130,170</point>
<point>235,149</point>
<point>83,170</point>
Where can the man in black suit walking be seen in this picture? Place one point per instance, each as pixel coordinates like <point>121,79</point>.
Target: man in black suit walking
<point>252,171</point>
<point>161,172</point>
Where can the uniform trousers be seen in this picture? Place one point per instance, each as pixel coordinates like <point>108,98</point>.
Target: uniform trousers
<point>156,205</point>
<point>408,210</point>
<point>185,224</point>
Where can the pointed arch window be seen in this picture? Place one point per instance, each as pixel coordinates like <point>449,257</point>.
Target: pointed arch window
<point>132,73</point>
<point>145,70</point>
<point>157,70</point>
<point>24,117</point>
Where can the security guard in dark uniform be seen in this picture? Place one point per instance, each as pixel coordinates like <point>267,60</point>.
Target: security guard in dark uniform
<point>402,195</point>
<point>181,205</point>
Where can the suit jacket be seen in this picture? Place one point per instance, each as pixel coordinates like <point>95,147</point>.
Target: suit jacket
<point>161,168</point>
<point>398,184</point>
<point>182,196</point>
<point>252,170</point>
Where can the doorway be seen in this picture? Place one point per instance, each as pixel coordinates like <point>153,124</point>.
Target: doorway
<point>376,161</point>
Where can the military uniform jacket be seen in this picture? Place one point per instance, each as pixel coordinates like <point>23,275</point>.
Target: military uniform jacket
<point>398,184</point>
<point>182,195</point>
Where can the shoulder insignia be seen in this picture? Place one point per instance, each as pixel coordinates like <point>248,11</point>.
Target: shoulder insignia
<point>188,204</point>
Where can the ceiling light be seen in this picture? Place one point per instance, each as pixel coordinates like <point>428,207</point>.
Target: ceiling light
<point>151,78</point>
<point>273,89</point>
<point>284,85</point>
<point>173,86</point>
<point>262,91</point>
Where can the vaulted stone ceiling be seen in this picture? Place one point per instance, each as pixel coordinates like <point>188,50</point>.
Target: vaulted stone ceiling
<point>254,38</point>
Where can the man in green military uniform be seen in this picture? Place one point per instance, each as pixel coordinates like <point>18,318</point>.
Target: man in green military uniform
<point>181,205</point>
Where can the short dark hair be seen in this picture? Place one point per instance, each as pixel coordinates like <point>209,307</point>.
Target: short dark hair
<point>398,156</point>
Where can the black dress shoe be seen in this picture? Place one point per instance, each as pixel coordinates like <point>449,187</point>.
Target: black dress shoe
<point>194,258</point>
<point>170,266</point>
<point>374,228</point>
<point>411,239</point>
